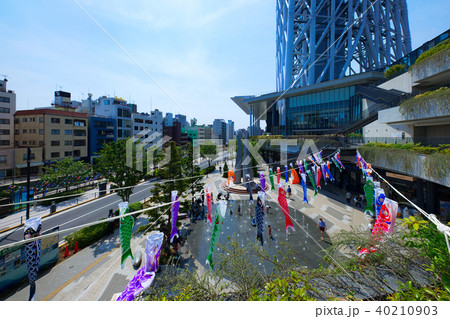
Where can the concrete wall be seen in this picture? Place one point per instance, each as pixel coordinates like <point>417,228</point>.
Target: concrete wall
<point>401,83</point>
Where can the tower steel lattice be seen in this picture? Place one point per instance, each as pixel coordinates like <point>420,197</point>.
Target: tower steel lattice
<point>322,40</point>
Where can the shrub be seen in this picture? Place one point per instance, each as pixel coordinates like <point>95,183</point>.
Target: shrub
<point>88,235</point>
<point>440,47</point>
<point>394,70</point>
<point>225,170</point>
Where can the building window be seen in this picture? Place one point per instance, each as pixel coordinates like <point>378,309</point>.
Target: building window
<point>4,121</point>
<point>54,132</point>
<point>55,120</point>
<point>67,143</point>
<point>41,120</point>
<point>76,153</point>
<point>55,143</point>
<point>24,142</point>
<point>33,131</point>
<point>41,132</point>
<point>5,99</point>
<point>68,121</point>
<point>32,119</point>
<point>4,142</point>
<point>67,153</point>
<point>54,154</point>
<point>4,132</point>
<point>79,133</point>
<point>16,132</point>
<point>25,157</point>
<point>79,143</point>
<point>2,158</point>
<point>24,119</point>
<point>41,143</point>
<point>79,123</point>
<point>24,131</point>
<point>4,110</point>
<point>67,132</point>
<point>106,102</point>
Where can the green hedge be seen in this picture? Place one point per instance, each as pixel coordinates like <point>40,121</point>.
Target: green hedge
<point>440,47</point>
<point>89,235</point>
<point>393,70</point>
<point>208,170</point>
<point>420,101</point>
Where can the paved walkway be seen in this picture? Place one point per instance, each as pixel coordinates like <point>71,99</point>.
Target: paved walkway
<point>95,273</point>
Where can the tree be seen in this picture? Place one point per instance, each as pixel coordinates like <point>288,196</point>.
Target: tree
<point>225,170</point>
<point>66,172</point>
<point>208,151</point>
<point>112,164</point>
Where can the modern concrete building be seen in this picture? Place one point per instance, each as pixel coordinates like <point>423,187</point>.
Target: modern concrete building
<point>421,119</point>
<point>51,134</point>
<point>204,132</point>
<point>168,119</point>
<point>101,131</point>
<point>220,130</point>
<point>230,130</point>
<point>116,108</point>
<point>7,110</point>
<point>150,123</point>
<point>182,119</point>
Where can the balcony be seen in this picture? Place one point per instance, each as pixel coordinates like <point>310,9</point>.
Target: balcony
<point>431,106</point>
<point>432,71</point>
<point>411,160</point>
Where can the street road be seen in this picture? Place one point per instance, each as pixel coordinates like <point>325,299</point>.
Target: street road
<point>89,212</point>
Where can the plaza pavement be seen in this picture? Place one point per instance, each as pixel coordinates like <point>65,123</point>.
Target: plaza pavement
<point>95,273</point>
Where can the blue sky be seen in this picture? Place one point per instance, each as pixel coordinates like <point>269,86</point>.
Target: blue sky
<point>201,52</point>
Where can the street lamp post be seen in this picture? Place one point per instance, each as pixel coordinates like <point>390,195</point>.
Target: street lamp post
<point>28,182</point>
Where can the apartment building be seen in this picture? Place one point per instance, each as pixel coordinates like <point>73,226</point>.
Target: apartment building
<point>51,134</point>
<point>147,124</point>
<point>116,108</point>
<point>7,109</point>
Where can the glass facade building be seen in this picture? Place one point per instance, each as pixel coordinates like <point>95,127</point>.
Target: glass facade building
<point>316,113</point>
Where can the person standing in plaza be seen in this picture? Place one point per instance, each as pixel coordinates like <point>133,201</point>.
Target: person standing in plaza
<point>322,226</point>
<point>270,232</point>
<point>348,196</point>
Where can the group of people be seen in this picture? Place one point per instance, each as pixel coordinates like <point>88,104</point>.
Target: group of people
<point>358,199</point>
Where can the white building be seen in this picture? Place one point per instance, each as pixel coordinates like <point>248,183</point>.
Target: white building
<point>144,124</point>
<point>116,108</point>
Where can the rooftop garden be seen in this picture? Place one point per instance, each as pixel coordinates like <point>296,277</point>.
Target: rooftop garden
<point>436,164</point>
<point>421,102</point>
<point>442,47</point>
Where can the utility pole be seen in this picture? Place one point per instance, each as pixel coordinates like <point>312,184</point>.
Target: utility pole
<point>28,182</point>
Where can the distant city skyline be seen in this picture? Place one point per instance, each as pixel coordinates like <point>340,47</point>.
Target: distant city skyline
<point>201,53</point>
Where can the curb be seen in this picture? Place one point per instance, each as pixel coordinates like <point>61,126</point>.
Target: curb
<point>69,207</point>
<point>56,212</point>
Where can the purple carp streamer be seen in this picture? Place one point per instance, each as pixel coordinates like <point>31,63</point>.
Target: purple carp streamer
<point>32,228</point>
<point>263,182</point>
<point>221,209</point>
<point>175,208</point>
<point>126,229</point>
<point>146,274</point>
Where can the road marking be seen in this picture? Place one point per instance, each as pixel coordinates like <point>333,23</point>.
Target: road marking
<point>117,201</point>
<point>56,291</point>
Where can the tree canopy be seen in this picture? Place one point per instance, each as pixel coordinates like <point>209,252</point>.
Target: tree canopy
<point>112,164</point>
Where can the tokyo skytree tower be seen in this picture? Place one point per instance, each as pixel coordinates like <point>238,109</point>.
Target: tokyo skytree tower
<point>322,40</point>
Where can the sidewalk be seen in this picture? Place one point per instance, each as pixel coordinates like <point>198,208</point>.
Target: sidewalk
<point>17,218</point>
